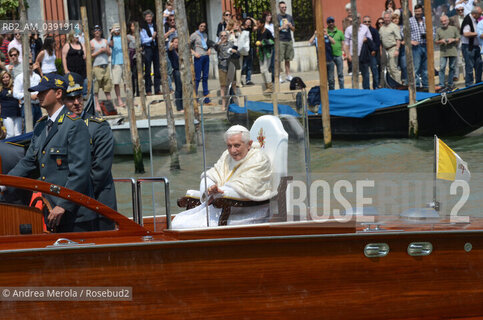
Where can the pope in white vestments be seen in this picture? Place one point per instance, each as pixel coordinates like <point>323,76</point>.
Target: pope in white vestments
<point>242,172</point>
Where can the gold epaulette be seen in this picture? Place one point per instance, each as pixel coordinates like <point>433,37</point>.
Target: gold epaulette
<point>97,119</point>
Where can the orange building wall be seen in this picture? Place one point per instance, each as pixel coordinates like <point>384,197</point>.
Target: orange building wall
<point>336,9</point>
<point>54,10</point>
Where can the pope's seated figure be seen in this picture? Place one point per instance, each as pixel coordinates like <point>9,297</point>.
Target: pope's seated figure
<point>242,172</point>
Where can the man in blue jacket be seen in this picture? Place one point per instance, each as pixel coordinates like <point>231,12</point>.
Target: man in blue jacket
<point>375,52</point>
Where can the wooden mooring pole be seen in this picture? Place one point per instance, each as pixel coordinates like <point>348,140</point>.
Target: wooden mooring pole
<point>27,104</point>
<point>185,70</point>
<point>139,68</point>
<point>137,152</point>
<point>413,114</point>
<point>324,92</point>
<point>276,52</point>
<point>173,144</point>
<point>87,45</point>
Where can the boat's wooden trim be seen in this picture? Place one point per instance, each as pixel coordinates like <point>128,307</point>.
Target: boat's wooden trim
<point>124,223</point>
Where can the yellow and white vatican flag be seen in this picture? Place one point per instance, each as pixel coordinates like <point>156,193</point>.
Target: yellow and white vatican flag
<point>449,166</point>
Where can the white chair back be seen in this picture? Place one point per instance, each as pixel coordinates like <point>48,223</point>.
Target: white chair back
<point>268,131</point>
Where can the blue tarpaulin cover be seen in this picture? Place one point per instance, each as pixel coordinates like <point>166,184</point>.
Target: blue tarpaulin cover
<point>355,103</point>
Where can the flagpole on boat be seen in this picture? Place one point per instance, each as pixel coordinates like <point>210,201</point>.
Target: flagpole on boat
<point>435,203</point>
<point>324,93</point>
<point>202,119</point>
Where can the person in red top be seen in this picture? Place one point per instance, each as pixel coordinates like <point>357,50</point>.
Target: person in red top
<point>4,46</point>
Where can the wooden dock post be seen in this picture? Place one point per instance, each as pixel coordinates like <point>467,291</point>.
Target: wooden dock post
<point>413,114</point>
<point>139,68</point>
<point>137,153</point>
<point>27,103</point>
<point>173,144</point>
<point>87,45</point>
<point>185,70</point>
<point>429,44</point>
<point>276,52</point>
<point>324,92</point>
<point>355,45</point>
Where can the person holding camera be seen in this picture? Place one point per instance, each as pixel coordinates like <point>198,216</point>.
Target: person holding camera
<point>448,38</point>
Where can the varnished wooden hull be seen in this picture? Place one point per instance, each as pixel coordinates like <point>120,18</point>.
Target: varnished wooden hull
<point>316,276</point>
<point>303,270</point>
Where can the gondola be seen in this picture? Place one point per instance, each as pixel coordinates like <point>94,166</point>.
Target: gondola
<point>384,113</point>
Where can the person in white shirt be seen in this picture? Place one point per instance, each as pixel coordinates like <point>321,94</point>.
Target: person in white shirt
<point>18,93</point>
<point>46,57</point>
<point>467,5</point>
<point>169,11</point>
<point>16,43</point>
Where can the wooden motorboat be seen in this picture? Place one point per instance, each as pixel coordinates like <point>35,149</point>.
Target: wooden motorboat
<point>313,269</point>
<point>365,116</point>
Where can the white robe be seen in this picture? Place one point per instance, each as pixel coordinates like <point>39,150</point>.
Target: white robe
<point>247,179</point>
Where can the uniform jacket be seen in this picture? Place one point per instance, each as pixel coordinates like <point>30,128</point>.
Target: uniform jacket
<point>63,158</point>
<point>102,153</point>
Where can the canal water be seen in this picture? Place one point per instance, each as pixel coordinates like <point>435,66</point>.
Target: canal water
<point>387,175</point>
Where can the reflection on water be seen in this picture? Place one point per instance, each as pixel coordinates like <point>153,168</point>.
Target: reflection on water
<point>393,161</point>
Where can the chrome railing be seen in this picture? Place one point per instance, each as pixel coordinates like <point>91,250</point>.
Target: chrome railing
<point>134,194</point>
<point>166,199</point>
<point>137,199</point>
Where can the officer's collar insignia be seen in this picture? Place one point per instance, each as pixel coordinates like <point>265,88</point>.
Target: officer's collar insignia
<point>61,118</point>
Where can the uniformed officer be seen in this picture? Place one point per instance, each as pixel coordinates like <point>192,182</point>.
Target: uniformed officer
<point>60,153</point>
<point>102,152</point>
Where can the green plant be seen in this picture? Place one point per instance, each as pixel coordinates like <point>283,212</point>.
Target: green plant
<point>59,66</point>
<point>8,8</point>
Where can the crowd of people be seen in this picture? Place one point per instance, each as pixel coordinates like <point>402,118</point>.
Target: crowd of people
<point>237,44</point>
<point>458,35</point>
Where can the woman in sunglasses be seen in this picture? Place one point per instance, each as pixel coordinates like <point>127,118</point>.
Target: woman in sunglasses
<point>222,25</point>
<point>15,67</point>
